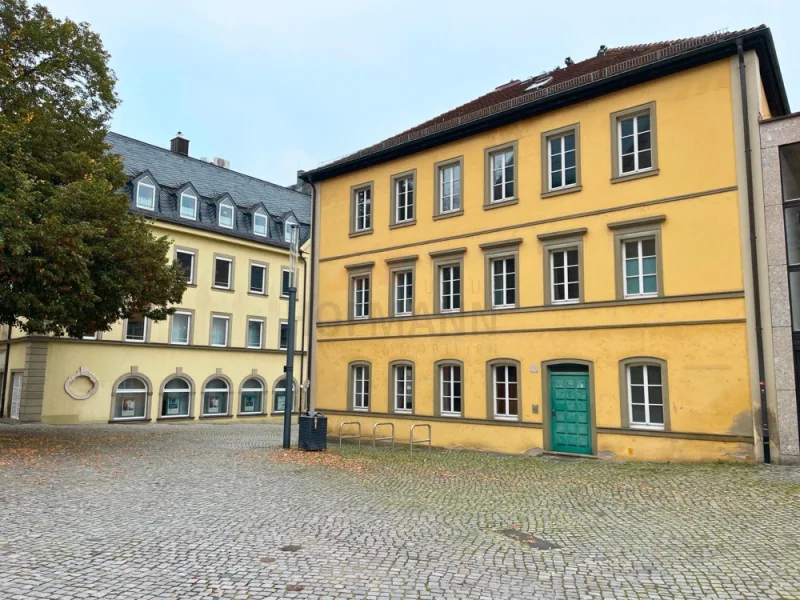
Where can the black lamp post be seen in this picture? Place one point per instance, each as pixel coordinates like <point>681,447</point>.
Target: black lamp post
<point>289,369</point>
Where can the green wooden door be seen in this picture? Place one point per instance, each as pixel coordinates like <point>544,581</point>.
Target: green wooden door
<point>570,421</point>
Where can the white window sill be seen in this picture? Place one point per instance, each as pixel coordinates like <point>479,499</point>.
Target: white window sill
<point>636,296</point>
<point>403,314</point>
<point>361,318</point>
<point>174,416</point>
<point>366,409</point>
<point>450,311</point>
<point>504,307</point>
<point>130,419</point>
<point>188,218</point>
<point>174,343</point>
<point>150,208</point>
<point>645,427</point>
<point>403,411</point>
<point>219,345</point>
<point>219,287</point>
<point>451,414</point>
<point>134,341</point>
<point>506,417</point>
<point>254,347</point>
<point>563,302</point>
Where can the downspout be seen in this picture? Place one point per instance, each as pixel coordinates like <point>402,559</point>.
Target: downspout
<point>5,375</point>
<point>312,285</point>
<point>303,344</point>
<point>754,252</point>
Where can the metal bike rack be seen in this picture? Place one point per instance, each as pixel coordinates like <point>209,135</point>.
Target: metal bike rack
<point>382,439</point>
<point>349,437</point>
<point>412,441</point>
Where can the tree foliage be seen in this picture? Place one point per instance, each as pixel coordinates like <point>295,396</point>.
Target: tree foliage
<point>73,259</point>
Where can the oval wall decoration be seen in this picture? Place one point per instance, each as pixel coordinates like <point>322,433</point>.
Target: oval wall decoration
<point>82,372</point>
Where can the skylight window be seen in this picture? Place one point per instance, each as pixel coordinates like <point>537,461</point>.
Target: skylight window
<point>539,82</point>
<point>225,216</point>
<point>260,223</point>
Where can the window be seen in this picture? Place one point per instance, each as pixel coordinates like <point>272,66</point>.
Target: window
<point>403,294</point>
<point>361,297</point>
<point>93,336</point>
<point>634,149</point>
<point>225,214</point>
<point>185,259</point>
<point>146,194</point>
<point>136,329</point>
<point>402,209</point>
<point>450,289</point>
<point>175,400</point>
<point>286,282</point>
<point>645,396</point>
<point>188,206</point>
<point>505,390</point>
<point>403,388</point>
<point>215,398</point>
<point>255,333</point>
<point>362,209</point>
<point>130,399</point>
<point>564,276</point>
<point>789,157</point>
<point>252,400</point>
<point>503,283</point>
<point>289,227</point>
<point>258,278</point>
<point>180,328</point>
<point>639,267</point>
<point>450,384</point>
<point>223,273</point>
<point>283,341</point>
<point>637,252</point>
<point>501,174</point>
<point>219,330</point>
<point>448,188</point>
<point>359,386</point>
<point>260,223</point>
<point>562,161</point>
<point>279,396</point>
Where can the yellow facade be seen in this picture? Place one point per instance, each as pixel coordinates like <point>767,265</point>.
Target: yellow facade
<point>697,325</point>
<point>111,359</point>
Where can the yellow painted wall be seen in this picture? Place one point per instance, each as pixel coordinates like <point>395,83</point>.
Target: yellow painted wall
<point>702,340</point>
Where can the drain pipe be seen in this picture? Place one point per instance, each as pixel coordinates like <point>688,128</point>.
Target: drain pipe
<point>303,329</point>
<point>5,374</point>
<point>312,284</point>
<point>754,252</point>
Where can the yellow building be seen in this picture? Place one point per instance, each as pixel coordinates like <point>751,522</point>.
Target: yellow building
<point>563,264</point>
<point>222,354</point>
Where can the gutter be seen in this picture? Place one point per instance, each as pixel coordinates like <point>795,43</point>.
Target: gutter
<point>312,284</point>
<point>754,252</point>
<point>5,374</point>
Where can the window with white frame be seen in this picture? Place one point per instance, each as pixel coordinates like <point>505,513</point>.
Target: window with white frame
<point>279,396</point>
<point>363,208</point>
<point>286,281</point>
<point>260,221</point>
<point>283,339</point>
<point>289,227</point>
<point>564,276</point>
<point>450,389</point>
<point>185,260</point>
<point>136,329</point>
<point>215,397</point>
<point>225,214</point>
<point>505,386</point>
<point>181,328</point>
<point>146,194</point>
<point>645,396</point>
<point>639,267</point>
<point>404,199</point>
<point>403,388</point>
<point>360,387</point>
<point>219,330</point>
<point>403,293</point>
<point>252,397</point>
<point>223,271</point>
<point>635,144</point>
<point>562,163</point>
<point>175,401</point>
<point>450,288</point>
<point>130,399</point>
<point>501,169</point>
<point>258,278</point>
<point>188,206</point>
<point>450,188</point>
<point>361,297</point>
<point>504,286</point>
<point>255,333</point>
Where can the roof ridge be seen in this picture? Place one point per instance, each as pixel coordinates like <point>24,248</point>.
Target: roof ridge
<point>204,162</point>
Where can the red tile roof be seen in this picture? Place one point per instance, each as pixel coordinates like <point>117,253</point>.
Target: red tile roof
<point>612,62</point>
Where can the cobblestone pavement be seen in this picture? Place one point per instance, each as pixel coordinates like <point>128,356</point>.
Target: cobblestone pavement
<point>219,511</point>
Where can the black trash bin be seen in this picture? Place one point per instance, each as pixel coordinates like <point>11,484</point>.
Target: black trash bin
<point>313,434</point>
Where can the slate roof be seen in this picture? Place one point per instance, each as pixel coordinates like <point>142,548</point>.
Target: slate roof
<point>172,172</point>
<point>560,81</point>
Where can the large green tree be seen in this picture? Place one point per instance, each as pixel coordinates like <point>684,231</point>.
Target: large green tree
<point>73,260</point>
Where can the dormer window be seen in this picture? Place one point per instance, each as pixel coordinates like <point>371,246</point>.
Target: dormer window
<point>260,223</point>
<point>288,229</point>
<point>188,206</point>
<point>225,216</point>
<point>146,194</point>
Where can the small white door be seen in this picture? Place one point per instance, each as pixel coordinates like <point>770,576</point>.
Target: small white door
<point>16,394</point>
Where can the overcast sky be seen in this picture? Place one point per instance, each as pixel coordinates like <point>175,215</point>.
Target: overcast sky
<point>278,86</point>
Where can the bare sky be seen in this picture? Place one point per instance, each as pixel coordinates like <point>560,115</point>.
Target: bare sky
<point>278,86</point>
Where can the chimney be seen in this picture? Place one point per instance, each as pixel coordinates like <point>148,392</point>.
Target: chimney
<point>179,144</point>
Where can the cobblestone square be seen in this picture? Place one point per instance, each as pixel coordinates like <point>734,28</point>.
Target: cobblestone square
<point>220,511</point>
